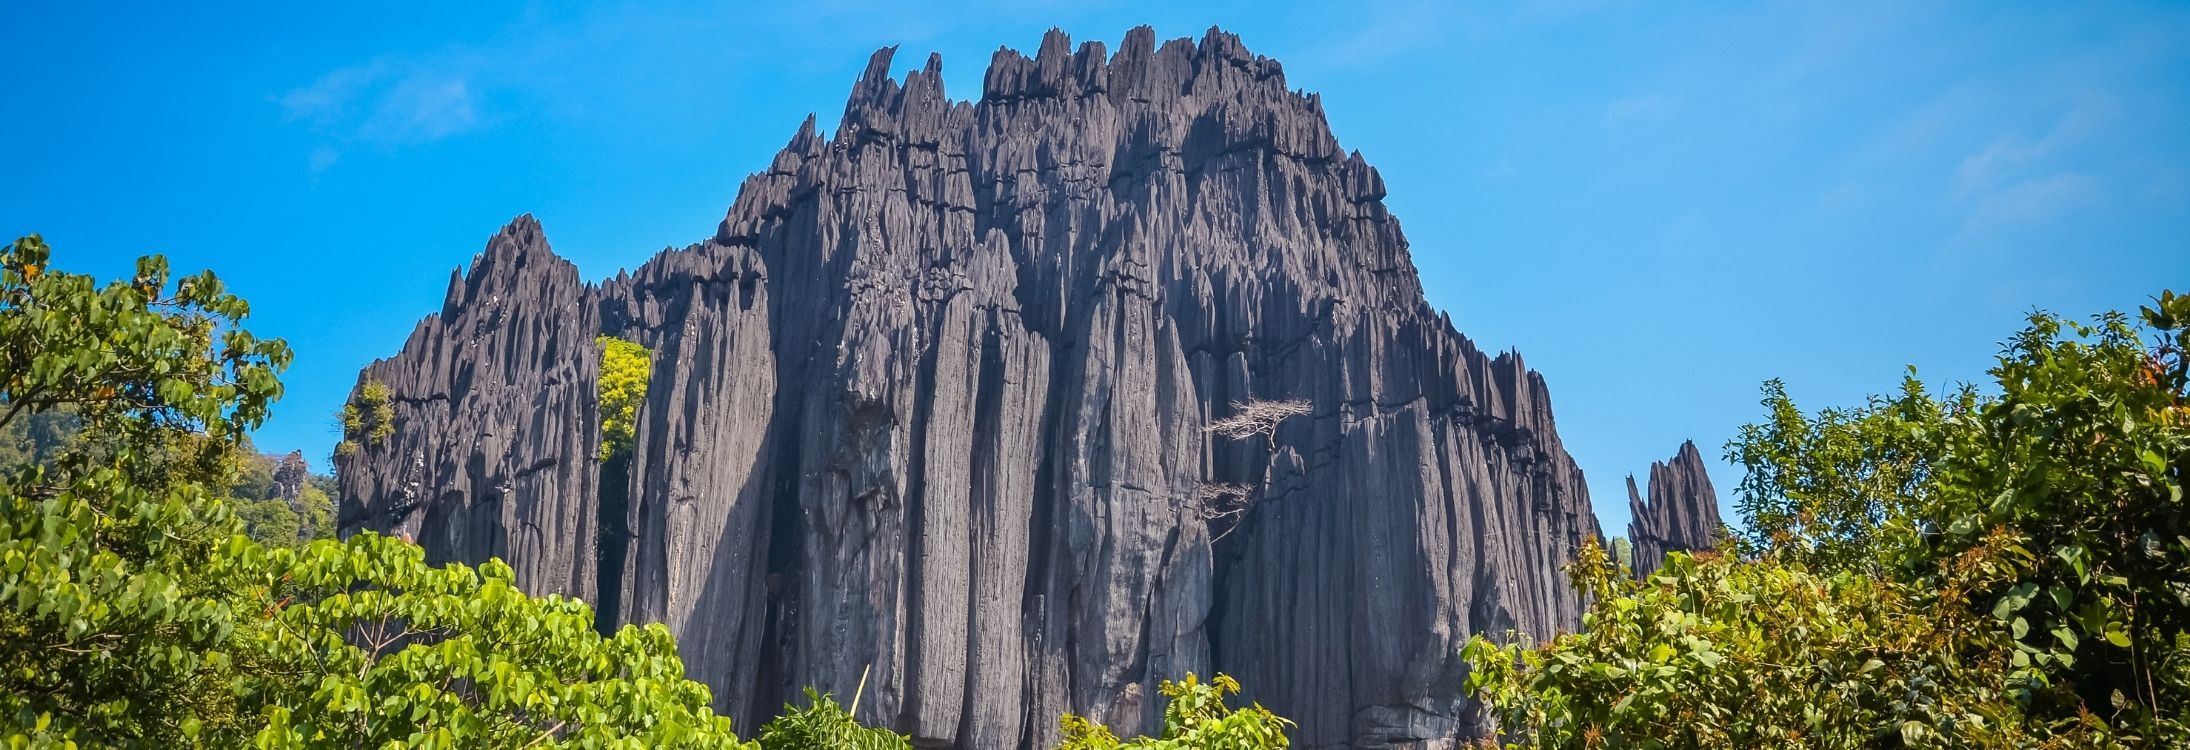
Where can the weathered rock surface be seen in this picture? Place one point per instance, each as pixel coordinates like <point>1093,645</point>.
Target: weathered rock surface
<point>932,401</point>
<point>1680,515</point>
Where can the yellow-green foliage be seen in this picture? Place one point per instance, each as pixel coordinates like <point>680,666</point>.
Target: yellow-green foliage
<point>2004,568</point>
<point>824,725</point>
<point>624,369</point>
<point>1710,651</point>
<point>368,418</point>
<point>1194,719</point>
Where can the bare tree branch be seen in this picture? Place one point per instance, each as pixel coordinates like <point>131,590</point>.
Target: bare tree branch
<point>1258,417</point>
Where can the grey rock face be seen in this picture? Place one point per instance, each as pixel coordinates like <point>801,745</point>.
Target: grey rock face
<point>1681,514</point>
<point>932,401</point>
<point>290,475</point>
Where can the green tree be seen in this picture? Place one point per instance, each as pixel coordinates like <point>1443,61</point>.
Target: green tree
<point>367,419</point>
<point>2033,541</point>
<point>1712,651</point>
<point>110,626</point>
<point>366,645</point>
<point>2080,462</point>
<point>1836,489</point>
<point>1623,551</point>
<point>624,369</point>
<point>1195,718</point>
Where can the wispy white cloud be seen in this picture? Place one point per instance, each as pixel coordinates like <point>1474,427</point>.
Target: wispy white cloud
<point>1846,196</point>
<point>2032,200</point>
<point>386,102</point>
<point>1628,108</point>
<point>2016,179</point>
<point>1393,30</point>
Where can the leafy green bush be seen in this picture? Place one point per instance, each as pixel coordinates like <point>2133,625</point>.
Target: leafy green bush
<point>2080,462</point>
<point>1194,719</point>
<point>367,419</point>
<point>824,725</point>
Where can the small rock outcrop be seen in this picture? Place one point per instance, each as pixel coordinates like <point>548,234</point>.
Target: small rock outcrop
<point>291,473</point>
<point>933,401</point>
<point>1681,513</point>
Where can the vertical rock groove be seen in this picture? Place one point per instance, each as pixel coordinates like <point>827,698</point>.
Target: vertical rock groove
<point>931,402</point>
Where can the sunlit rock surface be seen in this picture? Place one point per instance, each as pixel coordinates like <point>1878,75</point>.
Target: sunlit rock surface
<point>931,402</point>
<point>1681,513</point>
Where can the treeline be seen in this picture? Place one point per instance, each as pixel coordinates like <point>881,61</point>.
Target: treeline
<point>277,499</point>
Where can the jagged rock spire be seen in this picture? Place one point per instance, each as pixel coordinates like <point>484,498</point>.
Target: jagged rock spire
<point>930,404</point>
<point>1681,513</point>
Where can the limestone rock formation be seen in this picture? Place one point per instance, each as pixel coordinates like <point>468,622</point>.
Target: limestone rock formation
<point>290,476</point>
<point>932,401</point>
<point>1681,513</point>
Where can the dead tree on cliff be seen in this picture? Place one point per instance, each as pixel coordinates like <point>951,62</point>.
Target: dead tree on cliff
<point>1223,504</point>
<point>1258,417</point>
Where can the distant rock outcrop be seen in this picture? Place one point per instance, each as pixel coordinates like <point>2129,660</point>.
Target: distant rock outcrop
<point>291,474</point>
<point>1681,514</point>
<point>932,401</point>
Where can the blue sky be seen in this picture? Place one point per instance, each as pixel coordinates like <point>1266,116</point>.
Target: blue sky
<point>1659,204</point>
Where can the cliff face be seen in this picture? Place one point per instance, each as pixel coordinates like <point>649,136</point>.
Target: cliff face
<point>933,398</point>
<point>1681,514</point>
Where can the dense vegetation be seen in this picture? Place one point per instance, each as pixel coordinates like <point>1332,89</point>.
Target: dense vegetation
<point>152,594</point>
<point>2008,568</point>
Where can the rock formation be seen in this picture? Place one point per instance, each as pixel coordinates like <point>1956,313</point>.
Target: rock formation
<point>290,476</point>
<point>1681,514</point>
<point>932,401</point>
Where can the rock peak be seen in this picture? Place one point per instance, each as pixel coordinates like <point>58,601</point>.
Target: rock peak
<point>1681,513</point>
<point>933,400</point>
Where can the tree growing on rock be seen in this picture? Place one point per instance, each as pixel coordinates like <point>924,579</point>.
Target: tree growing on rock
<point>1259,417</point>
<point>1223,505</point>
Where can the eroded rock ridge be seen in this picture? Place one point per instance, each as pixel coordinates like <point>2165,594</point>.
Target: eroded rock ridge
<point>931,402</point>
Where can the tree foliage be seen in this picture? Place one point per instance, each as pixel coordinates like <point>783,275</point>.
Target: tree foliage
<point>110,626</point>
<point>367,419</point>
<point>624,369</point>
<point>1836,489</point>
<point>365,645</point>
<point>1195,718</point>
<point>824,725</point>
<point>2080,462</point>
<point>2016,564</point>
<point>1711,651</point>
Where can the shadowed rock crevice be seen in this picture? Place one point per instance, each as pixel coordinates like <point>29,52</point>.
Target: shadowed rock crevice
<point>931,403</point>
<point>613,501</point>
